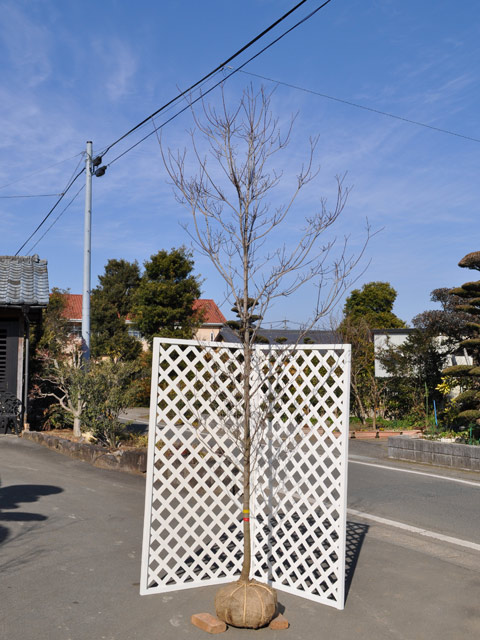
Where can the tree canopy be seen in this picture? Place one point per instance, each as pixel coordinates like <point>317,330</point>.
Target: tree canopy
<point>111,303</point>
<point>118,284</point>
<point>54,330</point>
<point>415,371</point>
<point>468,402</point>
<point>163,301</point>
<point>373,303</point>
<point>366,309</point>
<point>448,321</point>
<point>57,371</point>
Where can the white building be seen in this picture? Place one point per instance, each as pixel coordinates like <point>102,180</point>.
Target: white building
<point>384,338</point>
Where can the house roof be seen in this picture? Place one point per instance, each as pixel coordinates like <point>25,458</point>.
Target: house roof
<point>211,313</point>
<point>73,306</point>
<point>292,336</point>
<point>23,281</point>
<point>392,332</point>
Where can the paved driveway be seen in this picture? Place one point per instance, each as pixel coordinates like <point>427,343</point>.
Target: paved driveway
<point>70,562</point>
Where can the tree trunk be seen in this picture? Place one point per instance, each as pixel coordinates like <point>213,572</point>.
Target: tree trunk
<point>244,576</point>
<point>247,442</point>
<point>77,432</point>
<point>361,413</point>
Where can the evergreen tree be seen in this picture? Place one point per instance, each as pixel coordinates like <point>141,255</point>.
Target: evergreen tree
<point>240,327</point>
<point>54,333</point>
<point>163,301</point>
<point>415,371</point>
<point>468,402</point>
<point>448,322</point>
<point>366,309</point>
<point>110,306</point>
<point>373,303</point>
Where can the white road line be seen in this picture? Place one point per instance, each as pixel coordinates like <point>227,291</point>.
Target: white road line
<point>418,473</point>
<point>422,532</point>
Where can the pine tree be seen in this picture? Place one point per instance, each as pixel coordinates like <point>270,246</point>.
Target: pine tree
<point>468,402</point>
<point>163,302</point>
<point>111,305</point>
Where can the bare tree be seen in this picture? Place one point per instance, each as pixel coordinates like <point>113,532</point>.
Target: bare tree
<point>60,372</point>
<point>367,390</point>
<point>62,377</point>
<point>230,198</point>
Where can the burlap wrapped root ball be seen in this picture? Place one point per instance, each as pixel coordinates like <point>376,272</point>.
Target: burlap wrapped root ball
<point>250,605</point>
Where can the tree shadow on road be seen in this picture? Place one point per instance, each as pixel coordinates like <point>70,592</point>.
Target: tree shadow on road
<point>13,496</point>
<point>356,533</point>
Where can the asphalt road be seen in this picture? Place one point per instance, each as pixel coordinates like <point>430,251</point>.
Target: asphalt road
<point>435,501</point>
<point>70,544</point>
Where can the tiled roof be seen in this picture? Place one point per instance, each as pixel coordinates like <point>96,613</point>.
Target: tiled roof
<point>211,313</point>
<point>23,281</point>
<point>314,336</point>
<point>73,306</point>
<point>286,336</point>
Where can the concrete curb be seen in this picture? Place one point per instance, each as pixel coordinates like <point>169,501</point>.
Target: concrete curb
<point>129,461</point>
<point>368,435</point>
<point>445,454</point>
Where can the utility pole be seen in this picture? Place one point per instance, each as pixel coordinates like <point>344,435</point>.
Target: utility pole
<point>87,255</point>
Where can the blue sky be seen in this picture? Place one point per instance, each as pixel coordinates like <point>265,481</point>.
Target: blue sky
<point>73,72</point>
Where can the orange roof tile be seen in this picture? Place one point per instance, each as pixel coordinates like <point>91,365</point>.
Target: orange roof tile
<point>211,313</point>
<point>73,306</point>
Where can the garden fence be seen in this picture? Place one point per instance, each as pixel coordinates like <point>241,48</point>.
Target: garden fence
<point>193,510</point>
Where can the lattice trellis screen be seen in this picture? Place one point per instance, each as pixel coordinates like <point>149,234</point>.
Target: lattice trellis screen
<point>193,512</point>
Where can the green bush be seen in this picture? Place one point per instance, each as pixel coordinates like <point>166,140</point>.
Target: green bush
<point>106,393</point>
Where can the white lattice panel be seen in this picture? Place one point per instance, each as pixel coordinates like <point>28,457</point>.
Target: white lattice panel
<point>193,510</point>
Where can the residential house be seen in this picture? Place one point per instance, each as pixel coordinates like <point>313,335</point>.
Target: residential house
<point>23,295</point>
<point>73,312</point>
<point>212,318</point>
<point>383,338</point>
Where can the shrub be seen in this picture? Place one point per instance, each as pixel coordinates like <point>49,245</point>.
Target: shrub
<point>106,394</point>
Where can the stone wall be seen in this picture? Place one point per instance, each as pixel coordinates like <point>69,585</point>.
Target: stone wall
<point>445,454</point>
<point>129,460</point>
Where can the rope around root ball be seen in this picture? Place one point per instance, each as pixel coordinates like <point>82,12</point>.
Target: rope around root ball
<point>246,604</point>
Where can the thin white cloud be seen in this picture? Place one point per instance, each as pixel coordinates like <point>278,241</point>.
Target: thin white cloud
<point>452,89</point>
<point>26,44</point>
<point>119,66</point>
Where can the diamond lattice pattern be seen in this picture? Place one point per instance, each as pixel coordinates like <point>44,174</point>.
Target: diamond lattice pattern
<point>193,517</point>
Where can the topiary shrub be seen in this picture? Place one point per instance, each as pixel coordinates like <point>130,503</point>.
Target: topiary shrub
<point>468,402</point>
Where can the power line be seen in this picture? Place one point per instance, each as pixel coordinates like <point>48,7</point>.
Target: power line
<point>4,186</point>
<point>211,73</point>
<point>57,218</point>
<point>224,79</point>
<point>40,195</point>
<point>361,106</point>
<point>152,120</point>
<point>61,196</point>
<point>82,156</point>
<point>186,92</point>
<point>69,186</point>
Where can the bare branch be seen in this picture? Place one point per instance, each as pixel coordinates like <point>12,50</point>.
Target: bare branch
<point>230,197</point>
